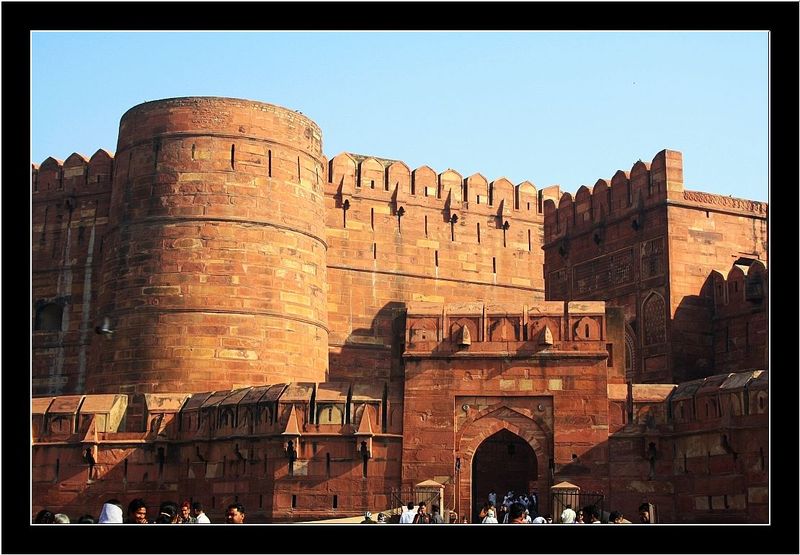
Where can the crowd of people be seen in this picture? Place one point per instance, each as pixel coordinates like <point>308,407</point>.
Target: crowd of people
<point>514,510</point>
<point>169,512</point>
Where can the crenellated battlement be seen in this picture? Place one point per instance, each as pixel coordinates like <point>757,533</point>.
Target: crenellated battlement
<point>624,195</point>
<point>742,287</point>
<point>76,175</point>
<point>359,176</point>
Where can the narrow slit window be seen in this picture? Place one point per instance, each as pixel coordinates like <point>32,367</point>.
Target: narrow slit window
<point>436,258</point>
<point>372,218</point>
<point>269,163</point>
<point>529,240</point>
<point>193,149</point>
<point>233,157</point>
<point>426,226</point>
<point>478,225</point>
<point>494,265</point>
<point>374,251</point>
<point>335,501</point>
<point>294,501</point>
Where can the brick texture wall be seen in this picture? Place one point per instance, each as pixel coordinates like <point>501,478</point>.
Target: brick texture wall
<point>214,270</point>
<point>258,294</point>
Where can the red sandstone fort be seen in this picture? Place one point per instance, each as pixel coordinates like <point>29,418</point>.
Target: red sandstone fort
<point>223,314</point>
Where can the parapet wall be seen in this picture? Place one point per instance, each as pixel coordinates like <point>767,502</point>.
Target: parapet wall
<point>625,194</point>
<point>740,324</point>
<point>398,235</point>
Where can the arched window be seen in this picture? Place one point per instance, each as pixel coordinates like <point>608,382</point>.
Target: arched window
<point>630,353</point>
<point>653,310</point>
<point>329,414</point>
<point>48,318</point>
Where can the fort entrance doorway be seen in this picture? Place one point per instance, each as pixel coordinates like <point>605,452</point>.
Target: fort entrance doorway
<point>503,462</point>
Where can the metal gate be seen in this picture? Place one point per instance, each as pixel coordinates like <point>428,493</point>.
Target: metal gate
<point>400,497</point>
<point>578,500</point>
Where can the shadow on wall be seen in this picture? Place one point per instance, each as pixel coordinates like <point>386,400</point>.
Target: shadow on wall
<point>374,353</point>
<point>724,328</point>
<point>692,337</point>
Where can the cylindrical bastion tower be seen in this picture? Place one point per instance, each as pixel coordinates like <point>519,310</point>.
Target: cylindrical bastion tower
<point>214,270</point>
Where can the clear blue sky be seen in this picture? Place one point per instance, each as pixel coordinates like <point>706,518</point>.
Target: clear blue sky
<point>552,108</point>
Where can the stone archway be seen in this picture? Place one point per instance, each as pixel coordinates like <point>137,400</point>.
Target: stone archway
<point>485,425</point>
<point>503,462</point>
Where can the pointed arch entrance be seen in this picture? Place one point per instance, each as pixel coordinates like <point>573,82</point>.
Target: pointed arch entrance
<point>503,462</point>
<point>521,426</point>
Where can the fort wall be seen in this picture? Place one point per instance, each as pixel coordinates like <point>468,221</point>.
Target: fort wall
<point>740,322</point>
<point>223,447</point>
<point>221,311</point>
<point>642,242</point>
<point>70,207</point>
<point>698,450</point>
<point>398,235</point>
<point>610,243</point>
<point>706,233</point>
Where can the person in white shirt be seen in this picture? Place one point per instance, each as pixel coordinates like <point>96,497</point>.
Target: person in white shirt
<point>111,513</point>
<point>199,514</point>
<point>568,515</point>
<point>490,518</point>
<point>408,514</point>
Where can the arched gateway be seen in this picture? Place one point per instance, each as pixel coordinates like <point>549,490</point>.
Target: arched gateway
<point>503,462</point>
<point>502,449</point>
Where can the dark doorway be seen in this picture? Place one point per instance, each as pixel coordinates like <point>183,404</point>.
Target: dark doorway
<point>503,462</point>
